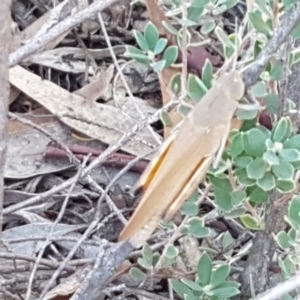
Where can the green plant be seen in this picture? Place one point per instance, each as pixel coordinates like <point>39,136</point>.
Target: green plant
<point>257,161</point>
<point>210,283</point>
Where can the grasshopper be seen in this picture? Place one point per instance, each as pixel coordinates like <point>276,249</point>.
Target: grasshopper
<point>185,157</point>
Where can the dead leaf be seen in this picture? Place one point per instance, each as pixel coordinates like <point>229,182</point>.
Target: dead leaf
<point>103,122</point>
<point>93,90</point>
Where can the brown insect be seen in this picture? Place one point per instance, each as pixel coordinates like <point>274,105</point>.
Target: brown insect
<point>185,158</point>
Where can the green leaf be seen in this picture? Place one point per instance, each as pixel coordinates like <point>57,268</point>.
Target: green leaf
<point>267,182</point>
<point>256,169</point>
<point>259,24</point>
<point>237,197</point>
<point>208,27</point>
<point>242,161</point>
<point>131,50</point>
<point>183,109</point>
<point>189,209</point>
<point>192,285</point>
<point>272,101</point>
<point>151,35</point>
<point>282,130</point>
<point>167,262</point>
<point>143,59</point>
<point>250,222</point>
<point>204,269</point>
<point>219,275</point>
<point>283,170</point>
<point>188,297</point>
<point>225,292</point>
<point>264,8</point>
<point>243,178</point>
<point>271,158</point>
<point>244,114</point>
<point>195,13</point>
<point>170,28</point>
<point>285,186</point>
<point>222,36</point>
<point>147,254</point>
<point>137,274</point>
<point>207,73</point>
<point>290,155</point>
<point>222,191</point>
<point>237,145</point>
<point>195,227</point>
<point>221,182</point>
<point>194,197</point>
<point>165,118</point>
<point>293,233</point>
<point>296,32</point>
<point>144,264</point>
<point>159,65</point>
<point>254,142</point>
<point>248,124</point>
<point>160,46</point>
<point>293,142</point>
<point>170,55</point>
<point>257,195</point>
<point>180,288</point>
<point>197,3</point>
<point>259,89</point>
<point>294,57</point>
<point>276,70</point>
<point>196,88</point>
<point>172,251</point>
<point>175,84</point>
<point>294,209</point>
<point>284,240</point>
<point>141,41</point>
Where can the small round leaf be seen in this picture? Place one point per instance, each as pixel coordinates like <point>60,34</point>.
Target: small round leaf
<point>289,155</point>
<point>237,197</point>
<point>170,55</point>
<point>172,251</point>
<point>189,209</point>
<point>237,145</point>
<point>160,46</point>
<point>271,158</point>
<point>283,170</point>
<point>196,87</point>
<point>282,130</point>
<point>137,274</point>
<point>159,65</point>
<point>257,195</point>
<point>285,186</point>
<point>256,169</point>
<point>267,182</point>
<point>250,222</point>
<point>293,143</point>
<point>284,240</point>
<point>242,161</point>
<point>243,178</point>
<point>254,142</point>
<point>208,27</point>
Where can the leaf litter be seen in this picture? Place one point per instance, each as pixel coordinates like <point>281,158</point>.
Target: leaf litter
<point>78,106</point>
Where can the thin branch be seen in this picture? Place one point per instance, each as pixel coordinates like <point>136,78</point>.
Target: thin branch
<point>5,35</point>
<point>41,40</point>
<point>289,21</point>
